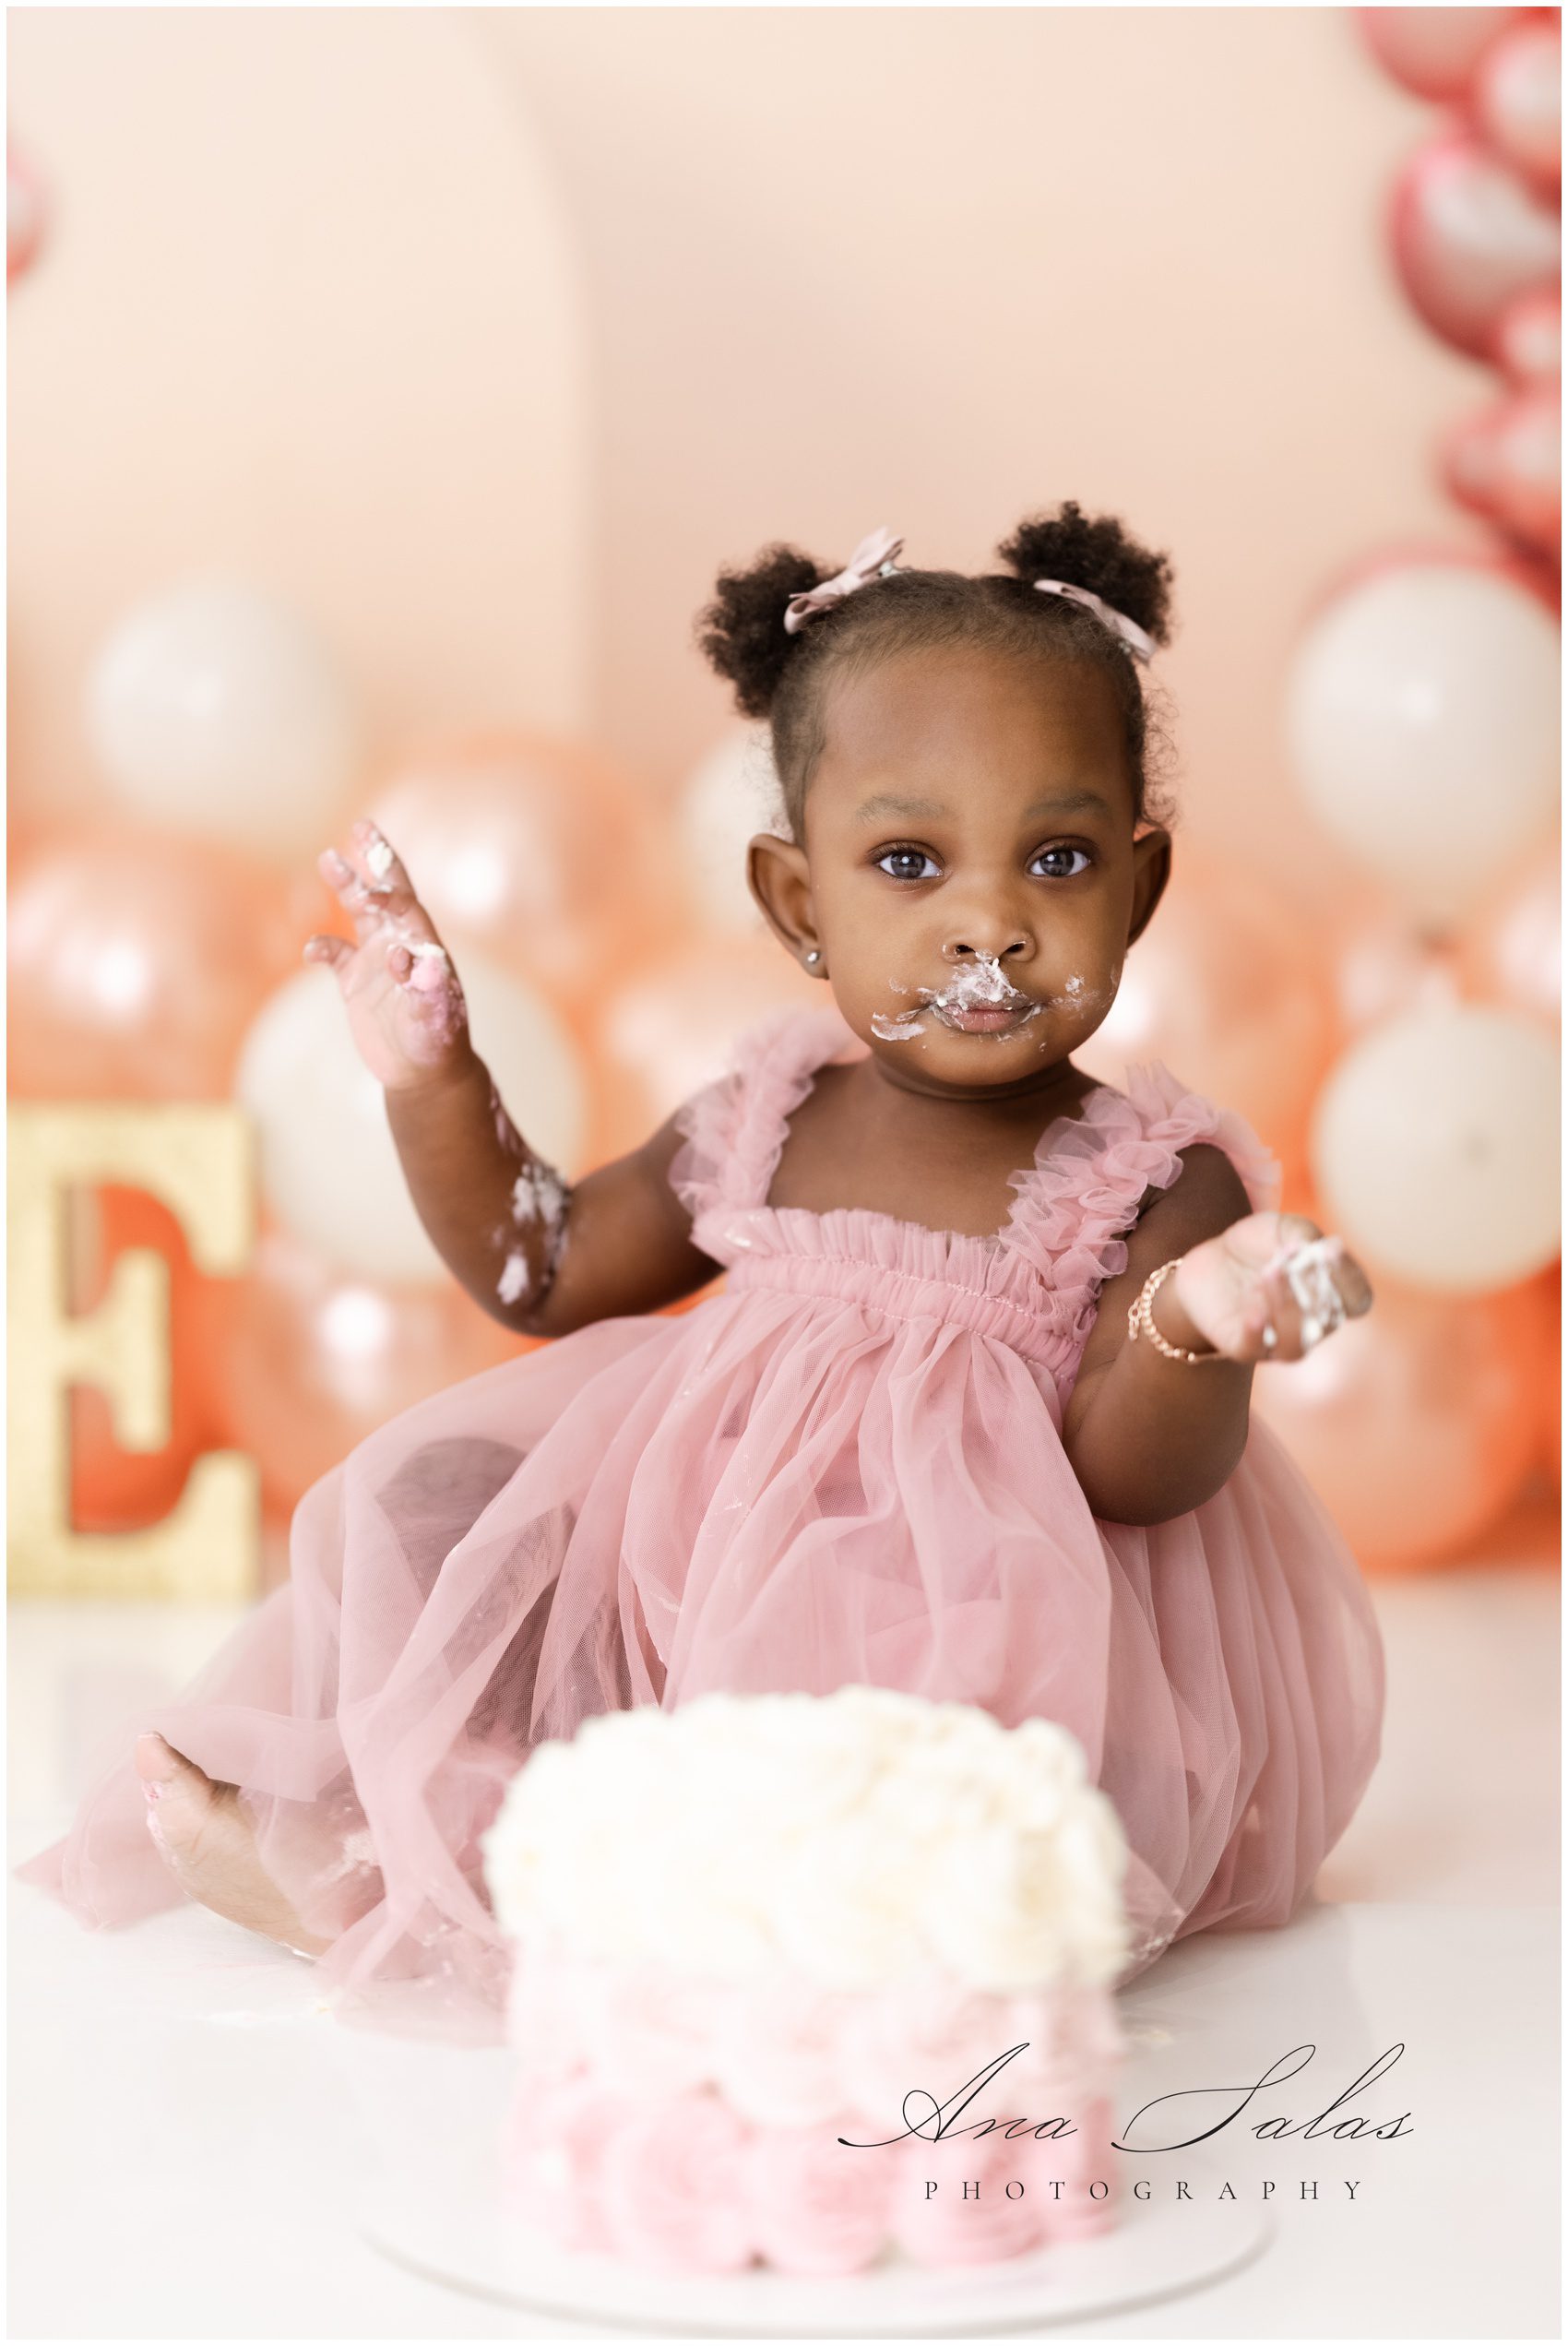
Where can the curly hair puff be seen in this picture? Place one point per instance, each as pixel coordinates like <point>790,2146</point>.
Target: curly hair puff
<point>783,677</point>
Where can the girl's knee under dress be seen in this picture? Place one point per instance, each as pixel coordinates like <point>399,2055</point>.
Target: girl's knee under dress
<point>845,1466</point>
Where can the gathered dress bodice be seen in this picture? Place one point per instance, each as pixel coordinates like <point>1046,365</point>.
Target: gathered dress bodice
<point>1033,1285</point>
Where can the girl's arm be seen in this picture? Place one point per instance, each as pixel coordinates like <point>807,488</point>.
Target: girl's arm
<point>540,1255</point>
<point>1150,1438</point>
<point>618,1241</point>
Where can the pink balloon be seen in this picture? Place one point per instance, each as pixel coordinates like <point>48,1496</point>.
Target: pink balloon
<point>1468,238</point>
<point>1514,954</point>
<point>1526,343</point>
<point>1517,101</point>
<point>24,214</point>
<point>1469,461</point>
<point>1228,986</point>
<point>136,964</point>
<point>550,860</point>
<point>1434,51</point>
<point>1505,462</point>
<point>301,1363</point>
<point>1528,495</point>
<point>1417,1423</point>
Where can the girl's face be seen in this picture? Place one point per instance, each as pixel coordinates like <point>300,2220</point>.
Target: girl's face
<point>969,874</point>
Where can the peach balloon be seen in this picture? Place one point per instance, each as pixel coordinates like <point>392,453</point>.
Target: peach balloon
<point>308,1363</point>
<point>731,795</point>
<point>1417,1425</point>
<point>1227,987</point>
<point>135,963</point>
<point>1513,953</point>
<point>1386,965</point>
<point>549,858</point>
<point>668,1031</point>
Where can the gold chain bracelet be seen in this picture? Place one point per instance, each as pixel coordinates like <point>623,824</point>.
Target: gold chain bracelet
<point>1140,1319</point>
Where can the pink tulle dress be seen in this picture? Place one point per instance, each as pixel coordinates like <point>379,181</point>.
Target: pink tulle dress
<point>844,1465</point>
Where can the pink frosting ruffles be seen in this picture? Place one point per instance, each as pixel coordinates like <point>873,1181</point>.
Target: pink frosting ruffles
<point>808,2145</point>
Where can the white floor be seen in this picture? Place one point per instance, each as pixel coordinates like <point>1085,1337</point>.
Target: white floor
<point>190,2134</point>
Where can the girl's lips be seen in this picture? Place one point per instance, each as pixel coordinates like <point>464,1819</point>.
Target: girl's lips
<point>986,1018</point>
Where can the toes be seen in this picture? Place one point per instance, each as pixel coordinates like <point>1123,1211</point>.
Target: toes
<point>178,1795</point>
<point>157,1762</point>
<point>198,1830</point>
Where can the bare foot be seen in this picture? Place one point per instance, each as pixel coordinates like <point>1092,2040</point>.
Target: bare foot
<point>204,1840</point>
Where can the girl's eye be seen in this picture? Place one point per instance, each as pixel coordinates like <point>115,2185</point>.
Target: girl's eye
<point>903,856</point>
<point>1067,868</point>
<point>1083,861</point>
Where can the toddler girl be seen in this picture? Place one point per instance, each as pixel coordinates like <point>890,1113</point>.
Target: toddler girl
<point>969,1416</point>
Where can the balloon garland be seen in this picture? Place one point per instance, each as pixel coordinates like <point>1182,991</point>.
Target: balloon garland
<point>1423,726</point>
<point>610,957</point>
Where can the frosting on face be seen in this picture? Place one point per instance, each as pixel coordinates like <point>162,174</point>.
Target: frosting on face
<point>979,984</point>
<point>982,984</point>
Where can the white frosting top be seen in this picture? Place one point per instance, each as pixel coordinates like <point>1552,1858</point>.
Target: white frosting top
<point>857,1838</point>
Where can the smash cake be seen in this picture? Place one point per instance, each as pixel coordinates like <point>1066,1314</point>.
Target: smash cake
<point>810,1982</point>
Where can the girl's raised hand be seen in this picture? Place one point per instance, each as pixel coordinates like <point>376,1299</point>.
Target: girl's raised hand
<point>1269,1288</point>
<point>406,1008</point>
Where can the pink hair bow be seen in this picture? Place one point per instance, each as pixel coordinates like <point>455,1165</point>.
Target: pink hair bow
<point>864,564</point>
<point>1140,644</point>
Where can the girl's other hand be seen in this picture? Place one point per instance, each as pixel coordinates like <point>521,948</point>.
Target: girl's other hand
<point>406,1008</point>
<point>1267,1289</point>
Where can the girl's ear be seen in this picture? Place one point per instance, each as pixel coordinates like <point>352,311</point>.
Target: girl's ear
<point>1151,869</point>
<point>776,874</point>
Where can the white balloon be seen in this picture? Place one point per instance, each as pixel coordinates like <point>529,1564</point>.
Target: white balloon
<point>731,795</point>
<point>329,1170</point>
<point>1421,720</point>
<point>1434,1148</point>
<point>216,709</point>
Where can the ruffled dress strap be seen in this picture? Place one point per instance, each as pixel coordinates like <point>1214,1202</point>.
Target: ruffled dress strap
<point>734,1129</point>
<point>1077,1203</point>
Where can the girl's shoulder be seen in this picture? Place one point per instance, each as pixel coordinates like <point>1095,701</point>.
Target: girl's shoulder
<point>1092,1171</point>
<point>1096,1172</point>
<point>1157,1112</point>
<point>733,1129</point>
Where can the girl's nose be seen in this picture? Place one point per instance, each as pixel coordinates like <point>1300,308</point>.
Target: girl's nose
<point>975,943</point>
